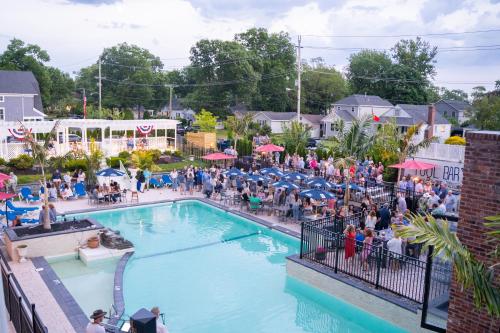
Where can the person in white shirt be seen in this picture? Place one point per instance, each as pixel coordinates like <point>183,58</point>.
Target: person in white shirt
<point>66,192</point>
<point>160,327</point>
<point>394,245</point>
<point>371,220</point>
<point>96,325</point>
<point>419,187</point>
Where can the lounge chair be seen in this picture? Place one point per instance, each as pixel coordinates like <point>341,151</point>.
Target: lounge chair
<point>10,214</point>
<point>166,180</point>
<point>27,195</point>
<point>155,183</point>
<point>23,210</point>
<point>80,190</point>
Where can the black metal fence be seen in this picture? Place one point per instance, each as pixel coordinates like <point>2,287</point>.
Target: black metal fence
<point>324,243</point>
<point>22,313</point>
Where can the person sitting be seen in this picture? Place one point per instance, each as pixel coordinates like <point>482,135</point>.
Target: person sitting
<point>52,213</point>
<point>96,325</point>
<point>438,209</point>
<point>52,191</point>
<point>160,326</point>
<point>16,222</point>
<point>67,193</point>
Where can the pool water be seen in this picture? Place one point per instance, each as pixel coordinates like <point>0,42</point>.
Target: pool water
<point>211,271</point>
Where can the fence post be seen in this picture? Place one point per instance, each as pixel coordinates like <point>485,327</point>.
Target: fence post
<point>301,238</point>
<point>8,296</point>
<point>20,313</point>
<point>33,322</point>
<point>337,245</point>
<point>427,285</point>
<point>379,264</point>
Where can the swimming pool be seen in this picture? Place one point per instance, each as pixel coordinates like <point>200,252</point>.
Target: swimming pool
<point>212,271</point>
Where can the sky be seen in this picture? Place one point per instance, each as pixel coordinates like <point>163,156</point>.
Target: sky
<point>74,32</point>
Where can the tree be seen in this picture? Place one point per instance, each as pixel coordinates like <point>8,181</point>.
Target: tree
<point>28,57</point>
<point>238,126</point>
<point>485,112</point>
<point>322,86</point>
<point>295,136</point>
<point>454,94</point>
<point>478,92</point>
<point>40,153</point>
<point>61,91</point>
<point>206,120</point>
<point>469,271</point>
<point>144,159</point>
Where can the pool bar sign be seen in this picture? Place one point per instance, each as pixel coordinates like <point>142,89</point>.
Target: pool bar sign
<point>446,171</point>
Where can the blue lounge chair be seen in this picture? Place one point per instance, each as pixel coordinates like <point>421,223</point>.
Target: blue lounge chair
<point>27,195</point>
<point>10,214</point>
<point>80,190</point>
<point>167,181</point>
<point>23,210</point>
<point>153,182</point>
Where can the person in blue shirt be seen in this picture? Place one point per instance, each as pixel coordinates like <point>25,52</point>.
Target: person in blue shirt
<point>360,237</point>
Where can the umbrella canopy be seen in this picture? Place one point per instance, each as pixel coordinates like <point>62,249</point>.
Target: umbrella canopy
<point>319,182</point>
<point>218,157</point>
<point>294,176</point>
<point>413,165</point>
<point>269,148</point>
<point>287,185</point>
<point>351,186</point>
<point>234,172</point>
<point>6,196</point>
<point>317,194</point>
<point>271,172</point>
<point>257,178</point>
<point>110,172</point>
<point>3,177</point>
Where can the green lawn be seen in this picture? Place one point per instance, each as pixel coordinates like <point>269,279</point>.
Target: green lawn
<point>221,134</point>
<point>179,165</point>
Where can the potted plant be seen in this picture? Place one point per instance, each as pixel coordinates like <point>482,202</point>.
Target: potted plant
<point>93,242</point>
<point>320,253</point>
<point>22,251</point>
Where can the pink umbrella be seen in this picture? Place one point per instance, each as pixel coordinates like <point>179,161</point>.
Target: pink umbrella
<point>413,165</point>
<point>269,148</point>
<point>6,196</point>
<point>218,157</point>
<point>3,177</point>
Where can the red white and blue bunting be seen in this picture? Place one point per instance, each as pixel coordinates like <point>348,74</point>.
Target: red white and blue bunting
<point>145,129</point>
<point>18,133</point>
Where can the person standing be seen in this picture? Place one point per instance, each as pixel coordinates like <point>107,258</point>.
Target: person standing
<point>96,325</point>
<point>147,177</point>
<point>12,183</point>
<point>367,247</point>
<point>160,326</point>
<point>384,219</point>
<point>173,175</point>
<point>395,247</point>
<point>52,213</point>
<point>350,242</point>
<point>142,181</point>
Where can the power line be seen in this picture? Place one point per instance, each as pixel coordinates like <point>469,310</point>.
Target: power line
<point>407,35</point>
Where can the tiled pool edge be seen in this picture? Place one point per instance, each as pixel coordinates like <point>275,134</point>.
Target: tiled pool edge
<point>118,300</point>
<point>77,318</point>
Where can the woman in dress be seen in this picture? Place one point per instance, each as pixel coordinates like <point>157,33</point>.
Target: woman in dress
<point>367,247</point>
<point>350,242</point>
<point>371,220</point>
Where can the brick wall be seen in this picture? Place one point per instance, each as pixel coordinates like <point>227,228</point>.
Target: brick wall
<point>480,198</point>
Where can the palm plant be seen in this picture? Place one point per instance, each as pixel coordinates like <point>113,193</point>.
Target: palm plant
<point>295,136</point>
<point>238,126</point>
<point>350,145</point>
<point>40,153</point>
<point>143,159</point>
<point>470,272</point>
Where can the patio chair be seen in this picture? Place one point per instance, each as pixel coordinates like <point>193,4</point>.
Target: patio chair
<point>254,207</point>
<point>27,195</point>
<point>22,210</point>
<point>155,183</point>
<point>166,180</point>
<point>80,190</point>
<point>10,214</point>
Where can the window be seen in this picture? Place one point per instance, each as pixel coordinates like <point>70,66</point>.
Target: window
<point>352,109</point>
<point>334,127</point>
<point>2,98</point>
<point>338,108</point>
<point>453,114</point>
<point>445,113</point>
<point>2,113</point>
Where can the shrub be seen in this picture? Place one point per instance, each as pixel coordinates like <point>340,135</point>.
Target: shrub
<point>124,154</point>
<point>155,154</point>
<point>2,161</point>
<point>22,162</point>
<point>177,153</point>
<point>114,162</point>
<point>75,164</point>
<point>455,140</point>
<point>244,147</point>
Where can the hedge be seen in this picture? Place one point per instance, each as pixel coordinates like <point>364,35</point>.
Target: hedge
<point>22,162</point>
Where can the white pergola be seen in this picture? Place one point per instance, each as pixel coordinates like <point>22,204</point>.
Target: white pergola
<point>111,136</point>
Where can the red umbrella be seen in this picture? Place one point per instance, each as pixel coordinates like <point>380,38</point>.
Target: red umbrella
<point>6,196</point>
<point>218,156</point>
<point>3,177</point>
<point>269,148</point>
<point>413,165</point>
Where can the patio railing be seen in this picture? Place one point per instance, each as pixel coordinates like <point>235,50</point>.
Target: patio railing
<point>403,275</point>
<point>22,313</point>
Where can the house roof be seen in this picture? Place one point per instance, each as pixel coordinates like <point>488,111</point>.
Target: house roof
<point>457,105</point>
<point>21,82</point>
<point>363,100</point>
<point>279,116</point>
<point>313,118</point>
<point>419,113</point>
<point>342,114</point>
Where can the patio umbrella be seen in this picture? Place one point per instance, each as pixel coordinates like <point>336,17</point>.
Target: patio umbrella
<point>287,185</point>
<point>109,172</point>
<point>351,186</point>
<point>293,176</point>
<point>234,172</point>
<point>3,177</point>
<point>269,148</point>
<point>6,196</point>
<point>319,182</point>
<point>271,172</point>
<point>317,194</point>
<point>413,165</point>
<point>257,178</point>
<point>218,157</point>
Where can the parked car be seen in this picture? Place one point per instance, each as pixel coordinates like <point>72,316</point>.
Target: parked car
<point>74,138</point>
<point>180,129</point>
<point>312,143</point>
<point>223,144</point>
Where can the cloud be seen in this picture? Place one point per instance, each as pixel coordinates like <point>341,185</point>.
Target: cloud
<point>94,2</point>
<point>120,25</point>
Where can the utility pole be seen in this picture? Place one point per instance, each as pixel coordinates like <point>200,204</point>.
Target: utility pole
<point>171,86</point>
<point>100,87</point>
<point>299,70</point>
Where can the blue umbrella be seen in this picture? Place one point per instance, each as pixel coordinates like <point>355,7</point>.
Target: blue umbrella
<point>235,172</point>
<point>271,172</point>
<point>110,172</point>
<point>317,194</point>
<point>287,185</point>
<point>351,187</point>
<point>257,178</point>
<point>293,176</point>
<point>319,182</point>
